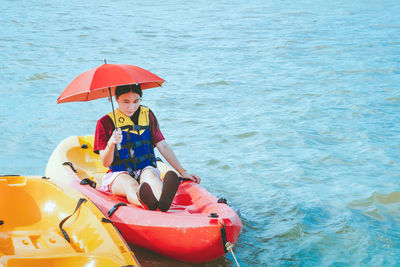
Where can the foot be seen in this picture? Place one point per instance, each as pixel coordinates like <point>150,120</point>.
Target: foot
<point>170,186</point>
<point>146,197</point>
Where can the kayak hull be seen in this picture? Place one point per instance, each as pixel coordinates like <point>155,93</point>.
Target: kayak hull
<point>193,230</point>
<point>176,234</point>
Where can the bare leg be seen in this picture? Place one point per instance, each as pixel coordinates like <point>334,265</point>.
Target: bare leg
<point>125,185</point>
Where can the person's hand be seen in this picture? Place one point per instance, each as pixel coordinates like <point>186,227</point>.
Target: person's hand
<point>116,137</point>
<point>189,176</point>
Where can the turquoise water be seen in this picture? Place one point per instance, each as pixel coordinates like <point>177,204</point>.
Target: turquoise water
<point>290,110</point>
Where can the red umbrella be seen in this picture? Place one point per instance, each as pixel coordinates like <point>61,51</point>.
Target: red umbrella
<point>101,81</point>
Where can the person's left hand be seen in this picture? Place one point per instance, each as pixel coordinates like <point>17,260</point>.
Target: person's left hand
<point>189,176</point>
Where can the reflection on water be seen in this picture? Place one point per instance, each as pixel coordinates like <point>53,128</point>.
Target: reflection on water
<point>381,207</point>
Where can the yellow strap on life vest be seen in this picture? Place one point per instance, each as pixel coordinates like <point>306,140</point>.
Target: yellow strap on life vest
<point>123,120</point>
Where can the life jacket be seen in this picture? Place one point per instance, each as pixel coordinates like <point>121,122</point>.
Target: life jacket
<point>136,150</point>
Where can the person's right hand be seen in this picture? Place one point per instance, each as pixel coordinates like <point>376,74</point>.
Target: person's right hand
<point>116,137</point>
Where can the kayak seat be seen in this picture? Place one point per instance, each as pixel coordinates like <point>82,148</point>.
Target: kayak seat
<point>85,161</point>
<point>182,199</point>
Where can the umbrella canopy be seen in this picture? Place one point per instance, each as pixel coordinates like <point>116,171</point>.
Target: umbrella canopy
<point>99,82</point>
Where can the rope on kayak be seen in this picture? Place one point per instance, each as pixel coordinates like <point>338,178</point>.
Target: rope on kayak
<point>65,234</point>
<point>228,246</point>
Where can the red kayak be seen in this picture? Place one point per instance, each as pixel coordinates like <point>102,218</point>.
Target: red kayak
<point>197,228</point>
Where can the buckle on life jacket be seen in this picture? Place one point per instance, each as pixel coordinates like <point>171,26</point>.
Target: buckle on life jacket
<point>133,174</point>
<point>134,127</point>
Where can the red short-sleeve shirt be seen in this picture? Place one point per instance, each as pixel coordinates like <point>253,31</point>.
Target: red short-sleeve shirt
<point>105,127</point>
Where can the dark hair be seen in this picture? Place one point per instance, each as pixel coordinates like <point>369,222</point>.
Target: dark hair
<point>123,89</point>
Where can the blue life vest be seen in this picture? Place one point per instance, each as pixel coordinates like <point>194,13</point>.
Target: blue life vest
<point>136,151</point>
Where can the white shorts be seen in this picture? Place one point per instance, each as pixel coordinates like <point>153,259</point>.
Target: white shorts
<point>109,178</point>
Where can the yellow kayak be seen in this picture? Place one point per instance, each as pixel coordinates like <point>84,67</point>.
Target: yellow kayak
<point>43,225</point>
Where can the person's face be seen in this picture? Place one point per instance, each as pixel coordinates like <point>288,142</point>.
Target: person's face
<point>128,103</point>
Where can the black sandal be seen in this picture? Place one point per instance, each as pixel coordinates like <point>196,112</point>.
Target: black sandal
<point>146,197</point>
<point>170,186</point>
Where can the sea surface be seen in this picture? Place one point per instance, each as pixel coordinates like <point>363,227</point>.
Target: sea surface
<point>289,109</point>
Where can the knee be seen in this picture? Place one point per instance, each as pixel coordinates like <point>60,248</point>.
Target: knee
<point>152,177</point>
<point>123,184</point>
<point>149,173</point>
<point>170,175</point>
<point>130,184</point>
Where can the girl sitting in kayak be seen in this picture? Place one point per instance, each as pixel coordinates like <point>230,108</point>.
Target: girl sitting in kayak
<point>129,153</point>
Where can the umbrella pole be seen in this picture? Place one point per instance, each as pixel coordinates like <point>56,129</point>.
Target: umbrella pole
<point>115,120</point>
<point>112,105</point>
